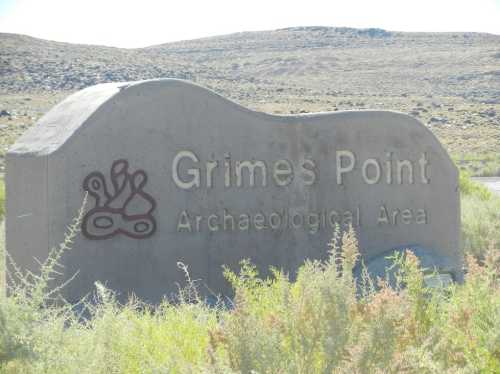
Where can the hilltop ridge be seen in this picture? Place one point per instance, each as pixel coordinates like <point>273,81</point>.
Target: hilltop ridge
<point>318,59</point>
<point>449,81</point>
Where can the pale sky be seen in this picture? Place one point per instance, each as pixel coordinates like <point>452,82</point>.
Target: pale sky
<point>140,23</point>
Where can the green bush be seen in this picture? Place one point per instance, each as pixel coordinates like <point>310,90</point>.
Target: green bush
<point>480,217</point>
<point>479,165</point>
<point>325,321</point>
<point>316,324</point>
<point>2,198</point>
<point>468,187</point>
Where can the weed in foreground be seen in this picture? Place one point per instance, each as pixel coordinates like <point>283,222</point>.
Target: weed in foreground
<point>318,323</point>
<point>480,218</point>
<point>2,198</point>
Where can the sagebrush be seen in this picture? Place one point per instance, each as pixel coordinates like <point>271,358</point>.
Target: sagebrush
<point>324,321</point>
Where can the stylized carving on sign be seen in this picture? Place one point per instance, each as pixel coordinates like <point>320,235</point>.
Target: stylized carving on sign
<point>120,208</point>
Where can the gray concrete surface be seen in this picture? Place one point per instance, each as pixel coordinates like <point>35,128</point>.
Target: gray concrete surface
<point>176,173</point>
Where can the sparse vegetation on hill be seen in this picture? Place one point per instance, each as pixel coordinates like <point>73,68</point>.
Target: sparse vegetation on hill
<point>448,80</point>
<point>480,165</point>
<point>318,61</point>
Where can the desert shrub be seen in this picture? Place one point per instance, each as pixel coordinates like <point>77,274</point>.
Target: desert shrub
<point>2,198</point>
<point>320,323</point>
<point>465,333</point>
<point>468,187</point>
<point>291,327</point>
<point>33,303</point>
<point>480,225</point>
<point>41,333</point>
<point>480,217</point>
<point>479,165</point>
<point>324,321</point>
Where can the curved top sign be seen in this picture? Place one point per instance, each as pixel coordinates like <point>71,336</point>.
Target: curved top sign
<point>176,173</point>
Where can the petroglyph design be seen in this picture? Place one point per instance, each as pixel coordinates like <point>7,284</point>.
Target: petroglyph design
<point>120,208</point>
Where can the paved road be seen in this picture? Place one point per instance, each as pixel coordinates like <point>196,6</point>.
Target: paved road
<point>493,183</point>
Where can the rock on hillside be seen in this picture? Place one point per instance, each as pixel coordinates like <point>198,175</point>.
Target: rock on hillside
<point>325,60</point>
<point>28,63</point>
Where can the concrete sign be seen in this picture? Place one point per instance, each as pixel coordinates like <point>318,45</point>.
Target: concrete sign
<point>176,173</point>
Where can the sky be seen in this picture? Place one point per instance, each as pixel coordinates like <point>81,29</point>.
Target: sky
<point>140,23</point>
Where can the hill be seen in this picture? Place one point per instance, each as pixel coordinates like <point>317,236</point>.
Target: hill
<point>449,80</point>
<point>325,60</point>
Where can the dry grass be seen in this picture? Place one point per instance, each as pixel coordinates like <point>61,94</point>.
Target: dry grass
<point>321,323</point>
<point>325,321</point>
<point>474,146</point>
<point>2,258</point>
<point>447,80</point>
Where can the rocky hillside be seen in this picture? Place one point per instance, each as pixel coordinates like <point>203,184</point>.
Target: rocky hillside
<point>293,61</point>
<point>450,81</point>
